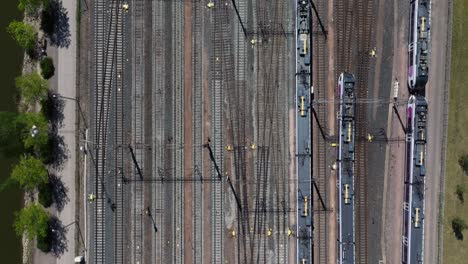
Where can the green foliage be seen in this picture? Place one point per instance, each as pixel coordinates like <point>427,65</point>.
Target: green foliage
<point>45,195</point>
<point>10,144</point>
<point>458,225</point>
<point>32,88</point>
<point>31,6</point>
<point>39,143</point>
<point>48,19</point>
<point>460,190</point>
<point>32,221</point>
<point>47,67</point>
<point>24,34</point>
<point>30,173</point>
<point>463,161</point>
<point>44,243</point>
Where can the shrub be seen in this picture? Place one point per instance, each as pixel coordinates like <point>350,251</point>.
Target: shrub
<point>460,190</point>
<point>458,225</point>
<point>47,68</point>
<point>463,161</point>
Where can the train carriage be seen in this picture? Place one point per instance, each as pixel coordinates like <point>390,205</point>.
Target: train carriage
<point>418,47</point>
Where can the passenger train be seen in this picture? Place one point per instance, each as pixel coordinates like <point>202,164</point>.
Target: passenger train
<point>304,227</point>
<point>418,47</point>
<point>413,222</point>
<point>346,239</point>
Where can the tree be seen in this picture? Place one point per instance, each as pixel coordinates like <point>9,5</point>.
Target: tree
<point>33,130</point>
<point>32,221</point>
<point>45,194</point>
<point>47,67</point>
<point>10,144</point>
<point>24,34</point>
<point>32,6</point>
<point>30,173</point>
<point>460,190</point>
<point>49,18</point>
<point>458,225</point>
<point>32,87</point>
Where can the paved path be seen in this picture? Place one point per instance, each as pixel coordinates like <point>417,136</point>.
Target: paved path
<point>64,83</point>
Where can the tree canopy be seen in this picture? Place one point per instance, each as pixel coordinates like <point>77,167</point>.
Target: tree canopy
<point>30,173</point>
<point>10,143</point>
<point>31,6</point>
<point>32,88</point>
<point>40,141</point>
<point>24,34</point>
<point>32,221</point>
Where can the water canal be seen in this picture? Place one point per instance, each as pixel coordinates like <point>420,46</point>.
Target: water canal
<point>10,199</point>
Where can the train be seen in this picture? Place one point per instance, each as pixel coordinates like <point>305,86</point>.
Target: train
<point>304,56</point>
<point>420,127</point>
<point>346,240</point>
<point>303,96</point>
<point>413,209</point>
<point>418,47</point>
<point>304,28</point>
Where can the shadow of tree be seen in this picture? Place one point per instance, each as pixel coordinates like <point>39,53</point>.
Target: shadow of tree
<point>52,108</point>
<point>58,239</point>
<point>55,24</point>
<point>59,192</point>
<point>458,235</point>
<point>59,151</point>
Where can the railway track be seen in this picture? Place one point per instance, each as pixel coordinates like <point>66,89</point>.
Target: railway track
<point>159,97</point>
<point>107,35</point>
<point>320,170</point>
<point>222,74</point>
<point>364,30</point>
<point>178,132</point>
<point>269,235</point>
<point>119,137</point>
<point>137,188</point>
<point>353,31</point>
<point>197,121</point>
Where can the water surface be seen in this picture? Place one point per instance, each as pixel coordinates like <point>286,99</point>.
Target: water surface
<point>10,199</point>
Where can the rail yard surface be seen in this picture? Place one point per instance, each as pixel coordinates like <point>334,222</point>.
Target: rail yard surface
<point>220,131</point>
